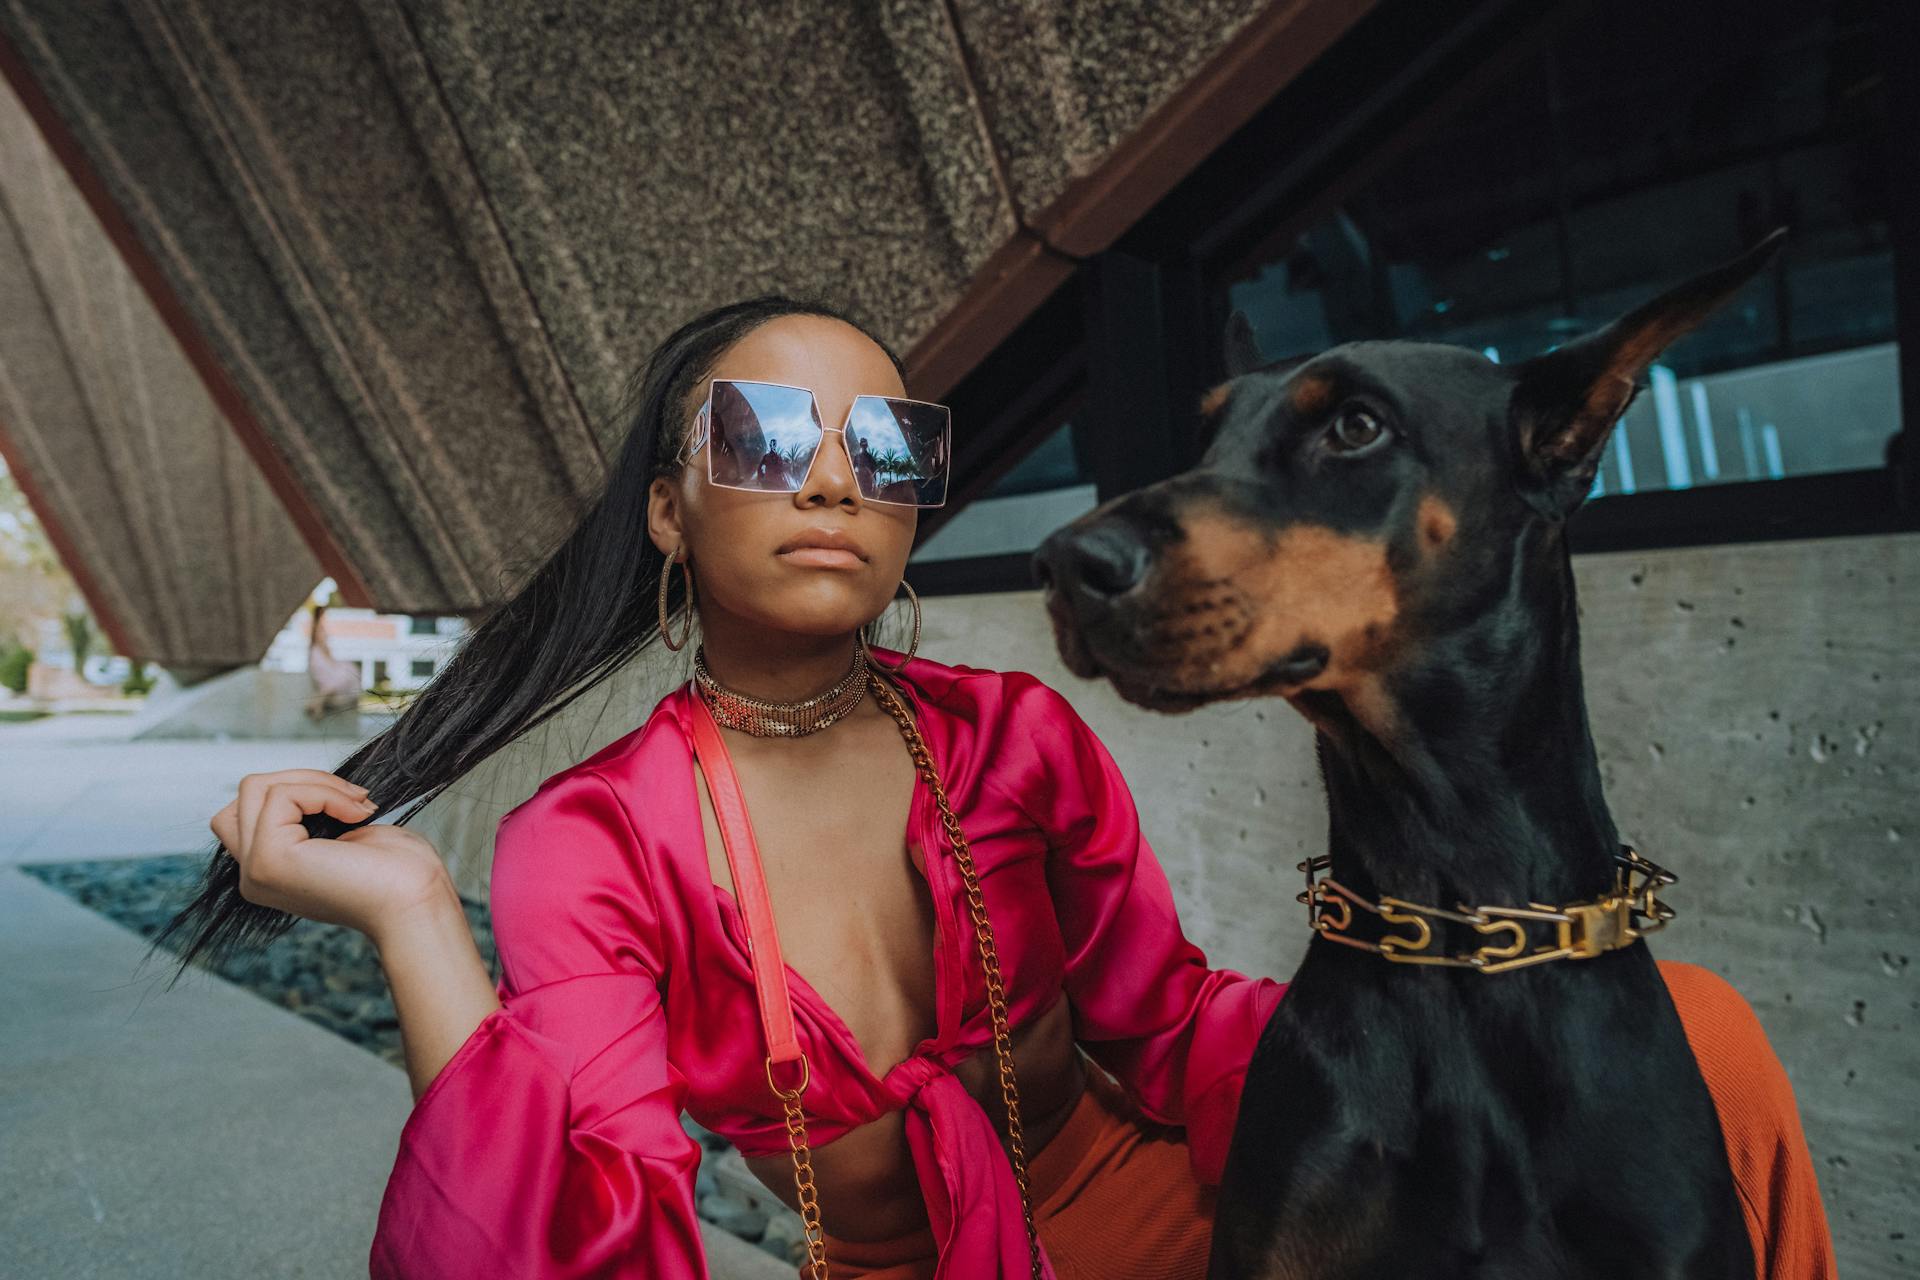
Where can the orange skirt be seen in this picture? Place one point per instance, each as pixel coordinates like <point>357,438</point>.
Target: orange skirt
<point>1114,1198</point>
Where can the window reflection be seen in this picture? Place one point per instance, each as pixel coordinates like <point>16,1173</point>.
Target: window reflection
<point>1646,142</point>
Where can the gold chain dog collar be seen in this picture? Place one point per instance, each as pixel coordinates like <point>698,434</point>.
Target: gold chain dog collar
<point>1583,930</point>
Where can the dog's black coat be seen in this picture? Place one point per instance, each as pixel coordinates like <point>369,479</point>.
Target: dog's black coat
<point>1407,1121</point>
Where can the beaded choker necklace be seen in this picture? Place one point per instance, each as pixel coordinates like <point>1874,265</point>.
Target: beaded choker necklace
<point>763,719</point>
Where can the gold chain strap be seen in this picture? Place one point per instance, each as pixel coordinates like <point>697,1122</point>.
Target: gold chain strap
<point>809,1195</point>
<point>809,1198</point>
<point>989,957</point>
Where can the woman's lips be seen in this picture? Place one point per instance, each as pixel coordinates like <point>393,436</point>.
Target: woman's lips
<point>823,557</point>
<point>823,549</point>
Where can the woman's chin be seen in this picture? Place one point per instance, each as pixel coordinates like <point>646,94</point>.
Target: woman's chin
<point>807,614</point>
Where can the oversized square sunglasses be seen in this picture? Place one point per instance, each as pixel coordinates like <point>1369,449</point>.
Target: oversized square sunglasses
<point>765,436</point>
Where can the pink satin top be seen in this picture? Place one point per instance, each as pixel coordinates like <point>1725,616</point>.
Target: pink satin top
<point>551,1144</point>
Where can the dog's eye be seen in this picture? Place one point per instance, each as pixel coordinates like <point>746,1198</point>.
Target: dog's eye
<point>1355,429</point>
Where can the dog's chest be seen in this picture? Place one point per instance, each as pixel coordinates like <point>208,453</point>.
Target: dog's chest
<point>1443,1138</point>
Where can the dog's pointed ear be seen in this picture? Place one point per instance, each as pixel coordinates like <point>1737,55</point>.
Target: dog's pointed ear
<point>1242,351</point>
<point>1567,401</point>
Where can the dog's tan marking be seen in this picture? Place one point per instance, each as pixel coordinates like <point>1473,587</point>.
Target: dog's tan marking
<point>1240,598</point>
<point>1215,399</point>
<point>1310,394</point>
<point>1436,523</point>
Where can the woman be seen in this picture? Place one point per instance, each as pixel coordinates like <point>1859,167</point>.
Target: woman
<point>546,1137</point>
<point>336,683</point>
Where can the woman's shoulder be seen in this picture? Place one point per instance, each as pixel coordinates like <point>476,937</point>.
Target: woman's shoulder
<point>615,767</point>
<point>570,861</point>
<point>982,693</point>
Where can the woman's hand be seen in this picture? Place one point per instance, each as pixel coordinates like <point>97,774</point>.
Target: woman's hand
<point>367,878</point>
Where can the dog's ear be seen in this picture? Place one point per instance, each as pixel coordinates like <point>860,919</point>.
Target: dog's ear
<point>1242,350</point>
<point>1567,401</point>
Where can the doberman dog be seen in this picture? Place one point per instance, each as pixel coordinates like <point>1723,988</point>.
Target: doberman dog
<point>1377,533</point>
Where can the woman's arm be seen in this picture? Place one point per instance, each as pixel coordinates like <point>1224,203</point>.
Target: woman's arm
<point>441,988</point>
<point>1147,1007</point>
<point>548,1143</point>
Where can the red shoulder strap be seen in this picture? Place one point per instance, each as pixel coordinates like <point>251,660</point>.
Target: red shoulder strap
<point>749,884</point>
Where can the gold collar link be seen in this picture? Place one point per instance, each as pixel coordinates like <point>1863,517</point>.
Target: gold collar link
<point>1583,930</point>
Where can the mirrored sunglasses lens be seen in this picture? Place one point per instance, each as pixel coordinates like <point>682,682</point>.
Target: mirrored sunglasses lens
<point>763,436</point>
<point>899,450</point>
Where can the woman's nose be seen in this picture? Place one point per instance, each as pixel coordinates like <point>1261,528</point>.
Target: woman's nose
<point>830,480</point>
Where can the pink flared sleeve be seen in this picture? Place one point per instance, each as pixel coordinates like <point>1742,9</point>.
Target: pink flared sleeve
<point>1146,1006</point>
<point>550,1146</point>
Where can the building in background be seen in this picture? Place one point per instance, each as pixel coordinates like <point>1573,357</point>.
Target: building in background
<point>394,651</point>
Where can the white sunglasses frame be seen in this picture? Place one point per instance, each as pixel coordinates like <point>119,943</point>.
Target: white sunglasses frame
<point>702,435</point>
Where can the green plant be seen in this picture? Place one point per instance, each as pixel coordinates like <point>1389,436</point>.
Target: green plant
<point>138,681</point>
<point>79,638</point>
<point>14,660</point>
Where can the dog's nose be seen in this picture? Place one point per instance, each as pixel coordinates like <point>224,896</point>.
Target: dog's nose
<point>1105,559</point>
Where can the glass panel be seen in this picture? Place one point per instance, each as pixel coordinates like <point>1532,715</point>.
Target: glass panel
<point>1053,464</point>
<point>1648,142</point>
<point>1043,491</point>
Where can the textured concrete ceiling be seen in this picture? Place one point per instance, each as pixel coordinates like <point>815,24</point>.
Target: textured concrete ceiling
<point>415,247</point>
<point>184,554</point>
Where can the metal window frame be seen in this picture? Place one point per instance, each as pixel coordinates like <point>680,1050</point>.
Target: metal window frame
<point>1138,327</point>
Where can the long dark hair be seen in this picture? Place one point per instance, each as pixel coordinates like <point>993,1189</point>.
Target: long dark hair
<point>580,617</point>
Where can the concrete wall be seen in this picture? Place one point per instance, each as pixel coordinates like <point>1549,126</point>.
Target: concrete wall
<point>1757,710</point>
<point>1758,716</point>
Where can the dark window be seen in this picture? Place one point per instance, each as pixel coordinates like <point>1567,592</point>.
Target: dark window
<point>422,626</point>
<point>1569,192</point>
<point>422,668</point>
<point>1505,175</point>
<point>1044,490</point>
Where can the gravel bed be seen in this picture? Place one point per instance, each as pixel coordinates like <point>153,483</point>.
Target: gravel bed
<point>332,976</point>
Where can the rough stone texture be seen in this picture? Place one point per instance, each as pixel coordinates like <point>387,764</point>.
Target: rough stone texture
<point>650,160</point>
<point>1065,83</point>
<point>428,240</point>
<point>188,556</point>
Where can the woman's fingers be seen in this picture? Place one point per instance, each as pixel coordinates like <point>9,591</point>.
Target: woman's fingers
<point>253,789</point>
<point>356,882</point>
<point>277,823</point>
<point>226,825</point>
<point>277,809</point>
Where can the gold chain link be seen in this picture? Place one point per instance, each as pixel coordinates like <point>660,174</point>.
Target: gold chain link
<point>809,1196</point>
<point>989,956</point>
<point>1584,929</point>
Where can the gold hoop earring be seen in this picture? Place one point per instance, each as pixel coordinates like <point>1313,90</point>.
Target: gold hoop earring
<point>912,648</point>
<point>666,580</point>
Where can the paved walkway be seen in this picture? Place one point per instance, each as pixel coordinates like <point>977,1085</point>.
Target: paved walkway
<point>101,797</point>
<point>147,1133</point>
<point>198,1132</point>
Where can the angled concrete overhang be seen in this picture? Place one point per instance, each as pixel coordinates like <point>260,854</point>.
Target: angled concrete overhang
<point>183,552</point>
<point>415,247</point>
